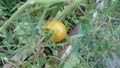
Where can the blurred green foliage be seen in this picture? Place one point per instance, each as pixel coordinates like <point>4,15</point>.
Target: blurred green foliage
<point>96,39</point>
<point>8,5</point>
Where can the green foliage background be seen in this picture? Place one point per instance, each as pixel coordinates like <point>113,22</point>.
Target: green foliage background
<point>96,40</point>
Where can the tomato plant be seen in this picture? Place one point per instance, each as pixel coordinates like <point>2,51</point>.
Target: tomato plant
<point>93,28</point>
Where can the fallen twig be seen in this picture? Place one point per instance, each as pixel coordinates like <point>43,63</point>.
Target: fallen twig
<point>67,52</point>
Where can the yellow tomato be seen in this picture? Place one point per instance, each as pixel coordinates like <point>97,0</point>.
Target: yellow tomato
<point>59,30</point>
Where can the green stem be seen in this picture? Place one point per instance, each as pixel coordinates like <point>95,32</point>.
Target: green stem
<point>16,14</point>
<point>115,19</point>
<point>117,30</point>
<point>23,7</point>
<point>81,9</point>
<point>67,10</point>
<point>49,1</point>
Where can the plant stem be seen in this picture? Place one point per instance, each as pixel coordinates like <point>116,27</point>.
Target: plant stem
<point>16,14</point>
<point>67,10</point>
<point>23,7</point>
<point>117,30</point>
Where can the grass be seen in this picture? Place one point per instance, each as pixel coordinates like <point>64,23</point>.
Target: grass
<point>22,36</point>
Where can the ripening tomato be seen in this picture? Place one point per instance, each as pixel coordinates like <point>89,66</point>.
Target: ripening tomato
<point>59,30</point>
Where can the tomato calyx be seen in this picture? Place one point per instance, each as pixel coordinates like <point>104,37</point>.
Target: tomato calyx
<point>58,29</point>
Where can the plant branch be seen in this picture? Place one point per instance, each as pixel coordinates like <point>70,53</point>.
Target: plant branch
<point>16,14</point>
<point>67,10</point>
<point>23,7</point>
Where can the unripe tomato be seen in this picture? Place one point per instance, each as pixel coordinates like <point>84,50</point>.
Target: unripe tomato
<point>59,30</point>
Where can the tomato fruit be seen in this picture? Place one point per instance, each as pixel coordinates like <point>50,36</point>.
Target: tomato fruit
<point>59,30</point>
